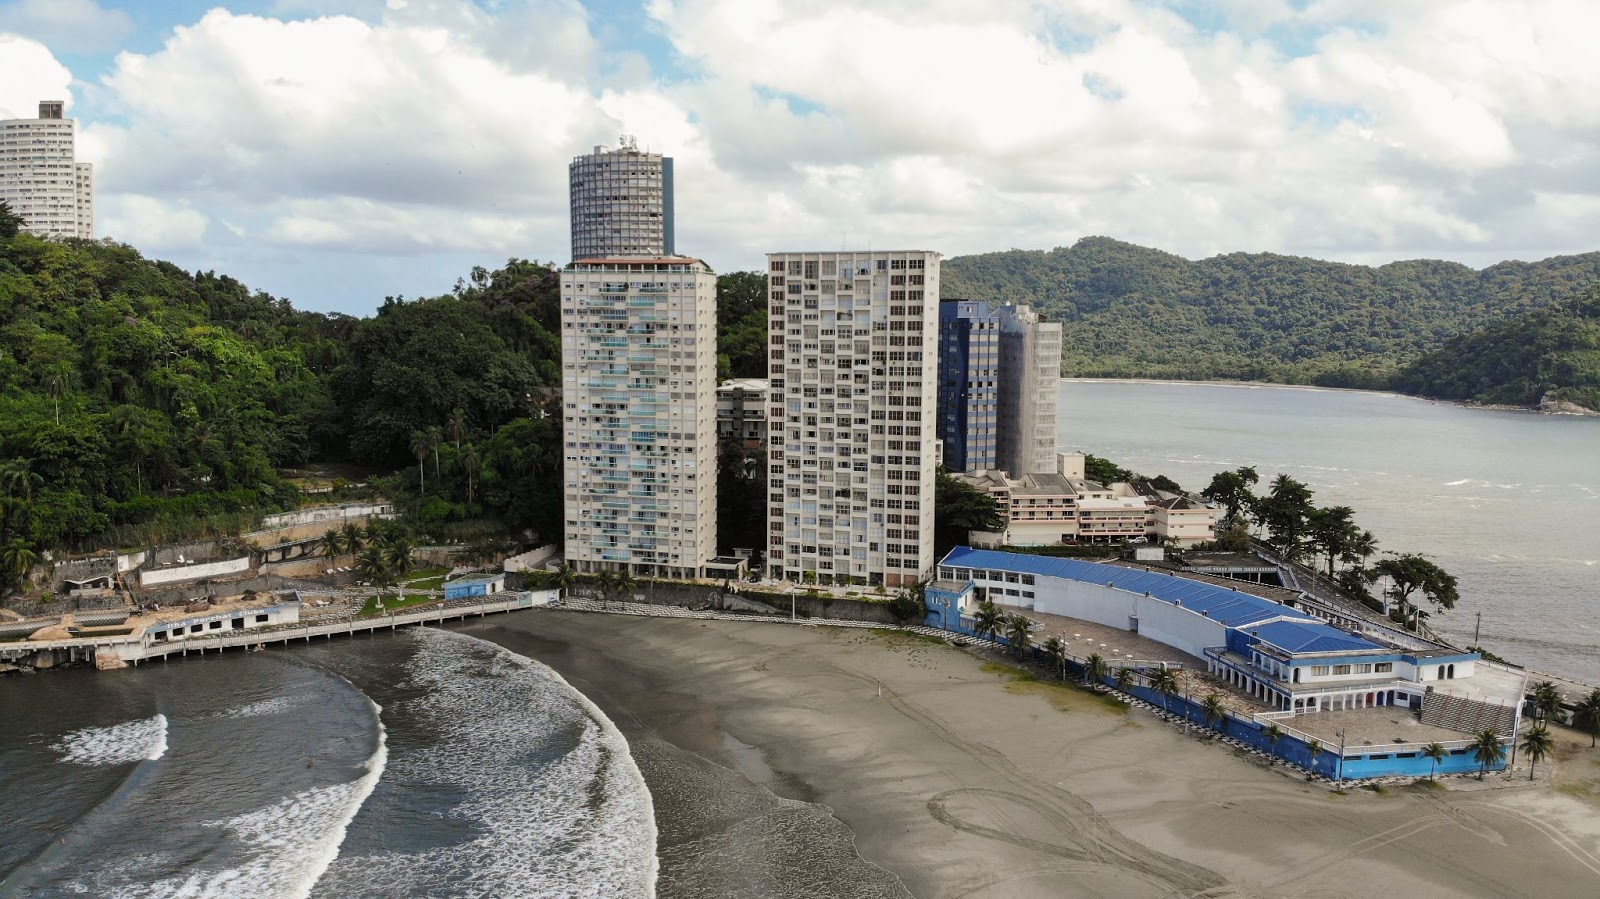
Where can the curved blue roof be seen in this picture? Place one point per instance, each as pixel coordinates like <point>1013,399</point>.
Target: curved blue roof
<point>1251,614</point>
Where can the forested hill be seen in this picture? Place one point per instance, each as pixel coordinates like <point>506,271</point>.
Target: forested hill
<point>1130,311</point>
<point>139,401</point>
<point>1546,355</point>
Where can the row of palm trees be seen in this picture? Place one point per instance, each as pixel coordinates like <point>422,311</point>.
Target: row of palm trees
<point>383,552</point>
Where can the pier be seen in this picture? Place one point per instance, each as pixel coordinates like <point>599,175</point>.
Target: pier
<point>132,649</point>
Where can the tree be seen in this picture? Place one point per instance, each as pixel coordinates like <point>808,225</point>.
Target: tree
<point>435,440</point>
<point>1055,653</point>
<point>1314,748</point>
<point>959,508</point>
<point>1165,682</point>
<point>625,583</point>
<point>457,425</point>
<point>1215,711</point>
<point>1273,733</point>
<point>1547,699</point>
<point>1332,532</point>
<point>565,578</point>
<point>1434,752</point>
<point>10,222</point>
<point>1231,489</point>
<point>468,459</point>
<point>1094,669</point>
<point>333,543</point>
<point>1537,743</point>
<point>420,447</point>
<point>909,604</point>
<point>397,552</point>
<point>17,558</point>
<point>1019,633</point>
<point>1409,573</point>
<point>1125,679</point>
<point>355,537</point>
<point>986,623</point>
<point>1487,750</point>
<point>1285,512</point>
<point>373,565</point>
<point>1589,716</point>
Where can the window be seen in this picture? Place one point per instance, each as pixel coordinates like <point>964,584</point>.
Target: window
<point>1383,667</point>
<point>1341,669</point>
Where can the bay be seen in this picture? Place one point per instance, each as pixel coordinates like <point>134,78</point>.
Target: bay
<point>1507,501</point>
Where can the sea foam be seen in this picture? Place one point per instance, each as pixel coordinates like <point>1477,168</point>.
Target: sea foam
<point>547,786</point>
<point>119,744</point>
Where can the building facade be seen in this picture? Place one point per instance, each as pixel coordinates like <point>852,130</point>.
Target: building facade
<point>40,178</point>
<point>999,369</point>
<point>638,348</point>
<point>742,411</point>
<point>621,203</point>
<point>851,430</point>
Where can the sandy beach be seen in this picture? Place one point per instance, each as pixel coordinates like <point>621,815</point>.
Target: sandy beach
<point>799,761</point>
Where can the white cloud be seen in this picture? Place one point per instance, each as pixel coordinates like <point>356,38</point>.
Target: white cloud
<point>29,73</point>
<point>70,26</point>
<point>439,129</point>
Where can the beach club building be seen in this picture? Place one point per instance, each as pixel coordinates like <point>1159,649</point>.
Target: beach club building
<point>1287,661</point>
<point>478,585</point>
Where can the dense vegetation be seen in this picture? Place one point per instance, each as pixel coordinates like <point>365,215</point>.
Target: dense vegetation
<point>1549,353</point>
<point>1130,311</point>
<point>141,402</point>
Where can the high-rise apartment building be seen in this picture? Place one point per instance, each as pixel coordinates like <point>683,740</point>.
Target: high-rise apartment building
<point>853,389</point>
<point>40,179</point>
<point>999,370</point>
<point>621,203</point>
<point>639,367</point>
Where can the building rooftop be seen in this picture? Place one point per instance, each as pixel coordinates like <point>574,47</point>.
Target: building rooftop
<point>1272,621</point>
<point>757,385</point>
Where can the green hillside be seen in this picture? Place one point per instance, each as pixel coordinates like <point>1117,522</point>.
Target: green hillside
<point>142,402</point>
<point>1546,354</point>
<point>1131,311</point>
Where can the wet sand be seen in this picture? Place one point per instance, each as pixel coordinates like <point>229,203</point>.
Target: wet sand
<point>796,761</point>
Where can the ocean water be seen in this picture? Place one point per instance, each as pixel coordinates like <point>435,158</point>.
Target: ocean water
<point>1508,502</point>
<point>419,764</point>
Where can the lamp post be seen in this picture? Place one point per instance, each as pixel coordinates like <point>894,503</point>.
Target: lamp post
<point>1339,776</point>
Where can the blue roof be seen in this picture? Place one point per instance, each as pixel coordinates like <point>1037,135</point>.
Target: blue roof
<point>1231,608</point>
<point>1298,637</point>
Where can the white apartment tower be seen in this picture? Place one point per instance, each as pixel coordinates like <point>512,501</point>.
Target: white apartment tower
<point>621,203</point>
<point>1030,380</point>
<point>40,179</point>
<point>639,367</point>
<point>852,363</point>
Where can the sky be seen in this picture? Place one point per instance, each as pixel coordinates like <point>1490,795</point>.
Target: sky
<point>334,152</point>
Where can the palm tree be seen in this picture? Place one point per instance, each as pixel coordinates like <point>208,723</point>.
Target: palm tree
<point>397,552</point>
<point>1589,713</point>
<point>1434,752</point>
<point>435,440</point>
<point>420,448</point>
<point>1216,711</point>
<point>468,460</point>
<point>1547,699</point>
<point>987,622</point>
<point>20,479</point>
<point>17,557</point>
<point>1537,743</point>
<point>457,425</point>
<point>625,584</point>
<point>373,564</point>
<point>333,543</point>
<point>607,581</point>
<point>1124,679</point>
<point>1273,733</point>
<point>565,578</point>
<point>1487,750</point>
<point>1165,682</point>
<point>1315,748</point>
<point>55,382</point>
<point>1055,652</point>
<point>1019,632</point>
<point>1095,669</point>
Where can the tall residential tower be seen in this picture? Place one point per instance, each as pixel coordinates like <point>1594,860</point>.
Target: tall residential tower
<point>999,370</point>
<point>40,179</point>
<point>638,383</point>
<point>621,203</point>
<point>852,383</point>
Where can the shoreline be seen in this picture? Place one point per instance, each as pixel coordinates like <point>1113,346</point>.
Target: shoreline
<point>1316,388</point>
<point>799,761</point>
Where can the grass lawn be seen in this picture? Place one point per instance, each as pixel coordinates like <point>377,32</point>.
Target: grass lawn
<point>427,583</point>
<point>390,604</point>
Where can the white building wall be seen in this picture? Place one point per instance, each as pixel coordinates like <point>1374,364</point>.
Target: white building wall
<point>1175,626</point>
<point>41,181</point>
<point>638,348</point>
<point>194,572</point>
<point>852,422</point>
<point>621,203</point>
